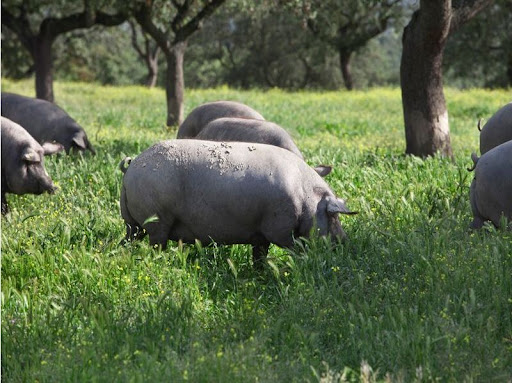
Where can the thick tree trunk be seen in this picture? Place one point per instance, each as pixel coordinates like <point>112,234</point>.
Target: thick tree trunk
<point>175,84</point>
<point>43,64</point>
<point>345,69</point>
<point>427,131</point>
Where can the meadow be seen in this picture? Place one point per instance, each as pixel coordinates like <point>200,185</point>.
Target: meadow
<point>414,295</point>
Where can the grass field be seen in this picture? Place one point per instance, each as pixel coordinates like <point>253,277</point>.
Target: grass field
<point>413,296</point>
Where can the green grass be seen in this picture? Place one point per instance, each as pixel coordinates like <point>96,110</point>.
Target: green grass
<point>413,296</point>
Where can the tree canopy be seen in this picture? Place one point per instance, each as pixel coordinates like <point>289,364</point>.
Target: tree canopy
<point>259,44</point>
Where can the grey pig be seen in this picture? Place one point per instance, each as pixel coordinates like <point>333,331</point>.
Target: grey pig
<point>45,121</point>
<point>248,130</point>
<point>22,162</point>
<point>226,192</point>
<point>203,114</point>
<point>491,189</point>
<point>497,130</point>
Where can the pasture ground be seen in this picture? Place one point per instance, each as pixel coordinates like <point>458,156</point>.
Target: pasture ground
<point>413,296</point>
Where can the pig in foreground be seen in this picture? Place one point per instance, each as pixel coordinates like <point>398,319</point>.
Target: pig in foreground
<point>248,130</point>
<point>203,114</point>
<point>45,121</point>
<point>226,192</point>
<point>22,162</point>
<point>497,130</point>
<point>491,189</point>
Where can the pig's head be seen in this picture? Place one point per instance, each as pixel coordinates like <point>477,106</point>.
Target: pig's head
<point>78,141</point>
<point>327,220</point>
<point>27,174</point>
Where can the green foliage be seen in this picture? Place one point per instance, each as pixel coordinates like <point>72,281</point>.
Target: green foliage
<point>486,39</point>
<point>98,54</point>
<point>16,61</point>
<point>348,25</point>
<point>264,45</point>
<point>38,10</point>
<point>413,295</point>
<point>269,46</point>
<point>378,62</point>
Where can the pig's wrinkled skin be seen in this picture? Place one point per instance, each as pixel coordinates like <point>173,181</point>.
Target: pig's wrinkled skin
<point>491,189</point>
<point>226,192</point>
<point>45,121</point>
<point>203,114</point>
<point>497,130</point>
<point>22,162</point>
<point>248,130</point>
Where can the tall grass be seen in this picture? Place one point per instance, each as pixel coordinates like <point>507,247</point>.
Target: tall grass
<point>413,296</point>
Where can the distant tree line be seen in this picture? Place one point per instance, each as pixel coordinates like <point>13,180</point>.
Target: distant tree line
<point>291,44</point>
<point>247,46</point>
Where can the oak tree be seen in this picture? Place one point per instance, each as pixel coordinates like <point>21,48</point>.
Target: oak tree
<point>38,23</point>
<point>427,130</point>
<point>170,24</point>
<point>348,25</point>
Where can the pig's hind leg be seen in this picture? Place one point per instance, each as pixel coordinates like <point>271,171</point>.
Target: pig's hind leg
<point>133,230</point>
<point>158,234</point>
<point>259,254</point>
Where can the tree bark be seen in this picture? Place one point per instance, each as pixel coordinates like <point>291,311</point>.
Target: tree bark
<point>427,131</point>
<point>152,65</point>
<point>43,64</point>
<point>175,83</point>
<point>345,57</point>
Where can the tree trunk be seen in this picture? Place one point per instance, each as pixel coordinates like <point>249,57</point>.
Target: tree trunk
<point>427,131</point>
<point>345,69</point>
<point>175,83</point>
<point>152,64</point>
<point>43,64</point>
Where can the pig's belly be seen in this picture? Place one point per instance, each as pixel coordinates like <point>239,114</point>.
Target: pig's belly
<point>216,232</point>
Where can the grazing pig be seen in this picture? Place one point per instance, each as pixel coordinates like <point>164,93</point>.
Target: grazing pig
<point>248,130</point>
<point>203,114</point>
<point>226,192</point>
<point>497,130</point>
<point>45,121</point>
<point>491,189</point>
<point>22,162</point>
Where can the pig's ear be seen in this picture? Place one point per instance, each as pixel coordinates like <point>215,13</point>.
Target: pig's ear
<point>52,148</point>
<point>78,140</point>
<point>337,205</point>
<point>30,155</point>
<point>323,170</point>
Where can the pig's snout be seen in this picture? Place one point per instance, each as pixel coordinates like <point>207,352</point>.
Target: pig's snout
<point>52,189</point>
<point>47,185</point>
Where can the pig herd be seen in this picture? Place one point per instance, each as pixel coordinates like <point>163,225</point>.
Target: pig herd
<point>491,189</point>
<point>230,176</point>
<point>30,129</point>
